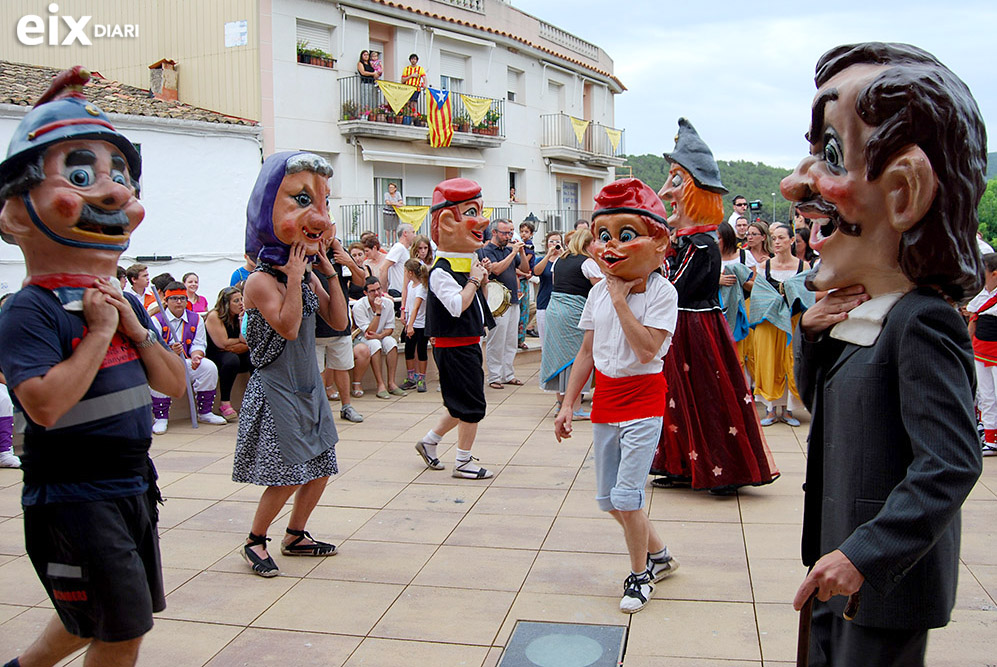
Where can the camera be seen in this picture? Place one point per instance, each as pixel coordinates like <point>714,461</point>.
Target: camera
<point>557,246</point>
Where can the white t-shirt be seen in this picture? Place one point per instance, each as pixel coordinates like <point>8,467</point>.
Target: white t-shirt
<point>396,272</point>
<point>416,290</point>
<point>655,307</point>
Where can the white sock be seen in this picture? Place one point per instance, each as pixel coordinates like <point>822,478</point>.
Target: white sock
<point>430,449</point>
<point>432,438</point>
<point>463,455</point>
<point>640,575</point>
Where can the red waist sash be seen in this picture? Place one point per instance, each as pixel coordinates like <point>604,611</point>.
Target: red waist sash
<point>985,351</point>
<point>632,397</point>
<point>455,341</point>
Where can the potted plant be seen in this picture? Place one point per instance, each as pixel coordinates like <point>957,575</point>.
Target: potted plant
<point>303,52</point>
<point>463,122</point>
<point>420,120</point>
<point>349,110</point>
<point>382,112</point>
<point>491,121</point>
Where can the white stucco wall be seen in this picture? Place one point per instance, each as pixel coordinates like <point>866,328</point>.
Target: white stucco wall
<point>196,180</point>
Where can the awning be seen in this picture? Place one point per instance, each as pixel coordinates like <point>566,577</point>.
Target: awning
<point>403,152</point>
<point>577,170</point>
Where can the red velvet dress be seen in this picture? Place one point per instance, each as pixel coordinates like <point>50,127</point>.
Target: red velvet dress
<point>711,438</point>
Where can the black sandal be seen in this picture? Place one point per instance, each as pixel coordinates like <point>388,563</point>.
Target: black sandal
<point>296,549</point>
<point>265,567</point>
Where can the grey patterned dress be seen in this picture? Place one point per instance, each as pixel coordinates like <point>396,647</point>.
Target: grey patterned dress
<point>286,432</point>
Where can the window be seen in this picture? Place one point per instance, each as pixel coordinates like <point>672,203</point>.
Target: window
<point>554,100</point>
<point>453,71</point>
<point>315,35</point>
<point>515,86</point>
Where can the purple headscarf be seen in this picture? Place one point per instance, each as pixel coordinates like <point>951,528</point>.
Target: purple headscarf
<point>261,242</point>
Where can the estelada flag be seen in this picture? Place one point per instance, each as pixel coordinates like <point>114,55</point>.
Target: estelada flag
<point>440,128</point>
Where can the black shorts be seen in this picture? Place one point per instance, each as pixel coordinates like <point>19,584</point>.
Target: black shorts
<point>462,381</point>
<point>99,562</point>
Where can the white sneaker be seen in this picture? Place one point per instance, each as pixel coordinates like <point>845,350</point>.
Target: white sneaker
<point>159,426</point>
<point>211,418</point>
<point>9,460</point>
<point>637,591</point>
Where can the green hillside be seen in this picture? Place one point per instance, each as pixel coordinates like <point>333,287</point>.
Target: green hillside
<point>754,180</point>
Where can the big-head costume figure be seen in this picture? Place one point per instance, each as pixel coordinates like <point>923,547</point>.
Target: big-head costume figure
<point>893,179</point>
<point>80,358</point>
<point>712,438</point>
<point>287,438</point>
<point>457,316</point>
<point>628,319</point>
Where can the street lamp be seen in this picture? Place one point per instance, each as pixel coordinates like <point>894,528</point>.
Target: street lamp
<point>773,207</point>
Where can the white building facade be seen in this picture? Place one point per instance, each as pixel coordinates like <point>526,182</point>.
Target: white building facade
<point>536,76</point>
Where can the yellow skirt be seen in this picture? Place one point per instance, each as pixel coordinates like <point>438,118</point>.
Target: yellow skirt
<point>773,361</point>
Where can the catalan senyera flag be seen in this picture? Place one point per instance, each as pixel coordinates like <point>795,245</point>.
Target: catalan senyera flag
<point>440,128</point>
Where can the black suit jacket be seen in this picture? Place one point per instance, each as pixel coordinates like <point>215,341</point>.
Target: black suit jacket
<point>893,453</point>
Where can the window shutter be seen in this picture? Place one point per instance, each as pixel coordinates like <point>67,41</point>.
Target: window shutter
<point>453,65</point>
<point>318,35</point>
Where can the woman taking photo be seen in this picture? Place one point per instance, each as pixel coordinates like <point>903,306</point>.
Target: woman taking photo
<point>778,298</point>
<point>574,276</point>
<point>226,346</point>
<point>545,269</point>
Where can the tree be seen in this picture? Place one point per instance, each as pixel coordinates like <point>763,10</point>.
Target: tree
<point>754,180</point>
<point>988,212</point>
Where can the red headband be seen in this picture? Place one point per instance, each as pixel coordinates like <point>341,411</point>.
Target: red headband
<point>176,292</point>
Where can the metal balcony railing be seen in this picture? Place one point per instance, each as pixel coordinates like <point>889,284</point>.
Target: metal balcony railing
<point>364,101</point>
<point>563,219</point>
<point>557,130</point>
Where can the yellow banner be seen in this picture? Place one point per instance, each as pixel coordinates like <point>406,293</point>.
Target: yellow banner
<point>413,215</point>
<point>614,137</point>
<point>476,107</point>
<point>579,127</point>
<point>397,94</point>
<point>487,213</point>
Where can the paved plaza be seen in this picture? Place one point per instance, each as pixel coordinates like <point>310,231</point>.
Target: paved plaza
<point>436,571</point>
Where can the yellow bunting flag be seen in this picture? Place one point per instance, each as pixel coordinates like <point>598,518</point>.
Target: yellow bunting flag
<point>476,107</point>
<point>397,94</point>
<point>412,215</point>
<point>487,213</point>
<point>579,127</point>
<point>614,137</point>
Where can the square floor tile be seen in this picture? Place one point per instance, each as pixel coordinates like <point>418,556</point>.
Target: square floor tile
<point>338,607</point>
<point>436,614</point>
<point>255,646</point>
<point>409,526</point>
<point>477,567</point>
<point>377,562</point>
<point>222,597</point>
<point>508,532</point>
<point>374,652</point>
<point>695,629</point>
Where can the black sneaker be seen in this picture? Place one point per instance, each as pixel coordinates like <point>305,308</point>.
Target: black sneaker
<point>637,590</point>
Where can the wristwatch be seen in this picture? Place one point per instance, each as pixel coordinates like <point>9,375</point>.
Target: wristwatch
<point>150,339</point>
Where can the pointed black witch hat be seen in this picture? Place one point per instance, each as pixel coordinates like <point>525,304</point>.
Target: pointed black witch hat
<point>693,155</point>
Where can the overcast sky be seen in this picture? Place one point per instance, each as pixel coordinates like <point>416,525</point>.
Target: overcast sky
<point>742,72</point>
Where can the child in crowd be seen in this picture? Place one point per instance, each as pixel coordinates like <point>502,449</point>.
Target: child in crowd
<point>375,62</point>
<point>414,337</point>
<point>983,328</point>
<point>195,302</point>
<point>628,319</point>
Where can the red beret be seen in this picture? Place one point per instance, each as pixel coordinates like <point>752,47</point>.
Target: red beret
<point>631,195</point>
<point>454,191</point>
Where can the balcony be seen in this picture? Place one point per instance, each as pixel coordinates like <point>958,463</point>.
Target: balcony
<point>365,113</point>
<point>563,219</point>
<point>559,142</point>
<point>358,218</point>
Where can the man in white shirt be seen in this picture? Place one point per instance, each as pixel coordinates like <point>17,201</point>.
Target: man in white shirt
<point>183,331</point>
<point>740,210</point>
<point>374,318</point>
<point>392,273</point>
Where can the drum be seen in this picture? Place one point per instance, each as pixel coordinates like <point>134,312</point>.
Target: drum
<point>498,297</point>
